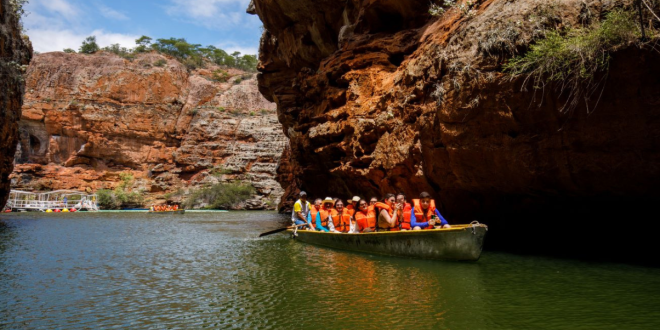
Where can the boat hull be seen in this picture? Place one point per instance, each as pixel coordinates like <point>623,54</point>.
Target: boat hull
<point>461,242</point>
<point>168,212</point>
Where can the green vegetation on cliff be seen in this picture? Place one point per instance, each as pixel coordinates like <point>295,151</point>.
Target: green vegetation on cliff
<point>220,196</point>
<point>122,195</point>
<point>191,55</point>
<point>575,59</point>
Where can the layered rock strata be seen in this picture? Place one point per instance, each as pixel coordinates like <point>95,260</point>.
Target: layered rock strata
<point>15,54</point>
<point>380,96</point>
<point>88,118</point>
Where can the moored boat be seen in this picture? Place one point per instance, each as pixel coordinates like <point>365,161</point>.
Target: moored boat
<point>169,212</point>
<point>460,242</point>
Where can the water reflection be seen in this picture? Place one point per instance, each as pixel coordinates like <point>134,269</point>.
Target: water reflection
<point>210,270</point>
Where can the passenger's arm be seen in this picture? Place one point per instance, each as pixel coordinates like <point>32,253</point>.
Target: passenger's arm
<point>318,223</point>
<point>443,222</point>
<point>331,225</point>
<point>390,220</point>
<point>413,220</point>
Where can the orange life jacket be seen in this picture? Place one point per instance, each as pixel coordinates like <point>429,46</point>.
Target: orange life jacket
<point>350,209</point>
<point>404,216</point>
<point>367,220</point>
<point>419,215</point>
<point>176,207</point>
<point>325,213</point>
<point>390,211</point>
<point>341,221</point>
<point>313,212</point>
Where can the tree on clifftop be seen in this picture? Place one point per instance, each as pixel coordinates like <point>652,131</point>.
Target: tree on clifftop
<point>89,46</point>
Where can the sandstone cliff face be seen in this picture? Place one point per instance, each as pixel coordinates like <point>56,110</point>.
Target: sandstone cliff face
<point>379,96</point>
<point>15,53</point>
<point>87,118</point>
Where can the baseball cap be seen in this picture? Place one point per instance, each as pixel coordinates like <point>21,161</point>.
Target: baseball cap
<point>303,193</point>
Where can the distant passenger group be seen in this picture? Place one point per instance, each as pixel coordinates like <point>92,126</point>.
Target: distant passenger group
<point>392,213</point>
<point>163,208</point>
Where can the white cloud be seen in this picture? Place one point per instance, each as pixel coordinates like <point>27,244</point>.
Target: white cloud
<point>62,7</point>
<point>111,13</point>
<point>56,40</point>
<point>231,47</point>
<point>212,14</point>
<point>54,25</point>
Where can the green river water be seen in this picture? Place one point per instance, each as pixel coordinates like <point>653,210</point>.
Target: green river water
<point>209,270</point>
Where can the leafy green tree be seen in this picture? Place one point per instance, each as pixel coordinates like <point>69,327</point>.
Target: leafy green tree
<point>89,46</point>
<point>143,44</point>
<point>69,51</point>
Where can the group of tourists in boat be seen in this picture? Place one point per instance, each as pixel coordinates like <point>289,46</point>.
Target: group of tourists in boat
<point>163,208</point>
<point>359,215</point>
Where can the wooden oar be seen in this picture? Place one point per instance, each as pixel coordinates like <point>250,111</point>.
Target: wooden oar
<point>280,230</point>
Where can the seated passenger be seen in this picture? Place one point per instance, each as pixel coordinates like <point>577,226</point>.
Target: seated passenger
<point>405,209</point>
<point>176,207</point>
<point>387,214</point>
<point>301,210</point>
<point>325,215</point>
<point>353,205</point>
<point>314,213</point>
<point>365,217</point>
<point>373,201</point>
<point>341,218</point>
<point>424,211</point>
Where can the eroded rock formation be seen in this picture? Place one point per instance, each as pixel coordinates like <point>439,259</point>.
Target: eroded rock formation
<point>380,96</point>
<point>15,54</point>
<point>88,118</point>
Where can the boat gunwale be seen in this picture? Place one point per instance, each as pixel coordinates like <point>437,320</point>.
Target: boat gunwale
<point>453,228</point>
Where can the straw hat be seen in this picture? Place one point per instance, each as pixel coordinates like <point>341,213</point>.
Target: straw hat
<point>356,199</point>
<point>328,200</point>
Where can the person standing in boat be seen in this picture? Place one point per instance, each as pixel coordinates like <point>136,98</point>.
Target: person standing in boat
<point>324,217</point>
<point>387,213</point>
<point>405,210</point>
<point>424,215</point>
<point>365,217</point>
<point>301,210</point>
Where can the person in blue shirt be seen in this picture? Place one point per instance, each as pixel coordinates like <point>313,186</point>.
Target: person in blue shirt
<point>424,215</point>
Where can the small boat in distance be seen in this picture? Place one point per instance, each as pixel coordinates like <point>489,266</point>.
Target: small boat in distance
<point>460,242</point>
<point>181,211</point>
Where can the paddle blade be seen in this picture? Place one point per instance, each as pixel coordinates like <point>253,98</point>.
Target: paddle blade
<point>273,231</point>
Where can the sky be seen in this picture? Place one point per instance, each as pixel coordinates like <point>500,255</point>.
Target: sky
<point>53,25</point>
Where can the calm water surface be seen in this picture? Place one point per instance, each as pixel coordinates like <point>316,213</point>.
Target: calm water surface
<point>208,270</point>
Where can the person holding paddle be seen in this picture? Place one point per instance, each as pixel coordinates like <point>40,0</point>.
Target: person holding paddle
<point>300,214</point>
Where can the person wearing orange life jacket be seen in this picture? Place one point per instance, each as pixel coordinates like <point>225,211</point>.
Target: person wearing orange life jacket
<point>387,214</point>
<point>176,207</point>
<point>365,217</point>
<point>405,209</point>
<point>373,201</point>
<point>352,207</point>
<point>324,218</point>
<point>314,213</point>
<point>341,219</point>
<point>422,214</point>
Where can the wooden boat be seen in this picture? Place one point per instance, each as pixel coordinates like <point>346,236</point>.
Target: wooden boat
<point>460,242</point>
<point>169,212</point>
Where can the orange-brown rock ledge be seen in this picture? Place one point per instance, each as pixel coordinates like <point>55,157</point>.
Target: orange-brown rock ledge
<point>379,96</point>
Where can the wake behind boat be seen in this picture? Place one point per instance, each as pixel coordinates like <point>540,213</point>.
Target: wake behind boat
<point>460,242</point>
